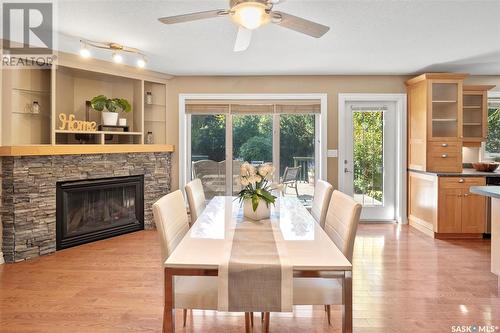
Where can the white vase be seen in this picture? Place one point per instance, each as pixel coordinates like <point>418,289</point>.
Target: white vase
<point>262,212</point>
<point>109,118</point>
<point>122,121</point>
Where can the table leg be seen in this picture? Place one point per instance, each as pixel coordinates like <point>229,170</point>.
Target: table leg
<point>267,319</point>
<point>247,322</point>
<point>347,293</point>
<point>169,310</point>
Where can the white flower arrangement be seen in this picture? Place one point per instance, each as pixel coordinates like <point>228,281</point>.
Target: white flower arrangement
<point>256,182</point>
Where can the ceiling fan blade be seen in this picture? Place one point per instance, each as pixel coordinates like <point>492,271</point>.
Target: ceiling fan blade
<point>192,16</point>
<point>242,39</point>
<point>299,24</point>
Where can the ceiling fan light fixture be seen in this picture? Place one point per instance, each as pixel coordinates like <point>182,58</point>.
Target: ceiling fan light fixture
<point>250,15</point>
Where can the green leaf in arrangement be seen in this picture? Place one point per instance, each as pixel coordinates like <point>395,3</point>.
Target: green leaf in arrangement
<point>255,202</point>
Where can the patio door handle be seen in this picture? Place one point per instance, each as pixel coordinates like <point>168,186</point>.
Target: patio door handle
<point>346,170</point>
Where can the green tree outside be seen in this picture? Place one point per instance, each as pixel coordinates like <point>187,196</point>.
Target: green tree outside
<point>252,137</point>
<point>368,153</point>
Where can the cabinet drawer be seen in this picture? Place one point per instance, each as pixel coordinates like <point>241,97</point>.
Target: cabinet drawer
<point>445,162</point>
<point>461,182</point>
<point>444,147</point>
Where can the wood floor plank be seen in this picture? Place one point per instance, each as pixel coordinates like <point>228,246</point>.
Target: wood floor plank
<point>402,282</point>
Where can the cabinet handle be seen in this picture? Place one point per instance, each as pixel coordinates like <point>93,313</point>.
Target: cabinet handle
<point>459,195</point>
<point>461,180</point>
<point>444,156</point>
<point>466,194</point>
<point>444,145</point>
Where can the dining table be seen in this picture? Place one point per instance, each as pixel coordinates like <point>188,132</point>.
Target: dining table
<point>310,252</point>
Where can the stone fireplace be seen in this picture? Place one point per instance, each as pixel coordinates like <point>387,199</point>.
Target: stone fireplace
<point>29,195</point>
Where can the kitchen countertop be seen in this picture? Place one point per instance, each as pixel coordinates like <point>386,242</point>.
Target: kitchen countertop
<point>489,191</point>
<point>465,173</point>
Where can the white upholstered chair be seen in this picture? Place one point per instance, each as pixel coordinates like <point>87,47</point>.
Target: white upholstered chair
<point>196,198</point>
<point>341,224</point>
<point>322,194</point>
<point>191,292</point>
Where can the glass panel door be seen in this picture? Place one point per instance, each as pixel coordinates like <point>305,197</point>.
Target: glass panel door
<point>208,152</point>
<point>252,142</point>
<point>370,158</point>
<point>445,110</point>
<point>473,116</point>
<point>297,150</point>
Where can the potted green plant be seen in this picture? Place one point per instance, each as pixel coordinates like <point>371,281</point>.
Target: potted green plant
<point>256,194</point>
<point>109,108</point>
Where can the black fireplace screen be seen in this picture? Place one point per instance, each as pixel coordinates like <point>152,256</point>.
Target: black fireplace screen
<point>95,209</point>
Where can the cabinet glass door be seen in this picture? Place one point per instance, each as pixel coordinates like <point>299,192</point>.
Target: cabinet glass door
<point>445,110</point>
<point>473,116</point>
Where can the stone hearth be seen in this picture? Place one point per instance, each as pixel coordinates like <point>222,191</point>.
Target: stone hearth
<point>28,210</point>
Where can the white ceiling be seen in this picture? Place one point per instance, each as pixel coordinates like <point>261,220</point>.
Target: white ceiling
<point>366,37</point>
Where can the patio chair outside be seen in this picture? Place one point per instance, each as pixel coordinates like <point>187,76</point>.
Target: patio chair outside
<point>290,179</point>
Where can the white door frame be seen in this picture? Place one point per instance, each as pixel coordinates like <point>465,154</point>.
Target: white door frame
<point>401,114</point>
<point>184,140</point>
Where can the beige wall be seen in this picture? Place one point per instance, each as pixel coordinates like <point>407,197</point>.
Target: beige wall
<point>331,85</point>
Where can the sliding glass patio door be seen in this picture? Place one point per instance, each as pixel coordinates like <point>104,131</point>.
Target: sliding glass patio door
<point>282,134</point>
<point>252,142</point>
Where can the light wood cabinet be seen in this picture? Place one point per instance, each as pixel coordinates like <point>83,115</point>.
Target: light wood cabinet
<point>435,122</point>
<point>475,114</point>
<point>443,207</point>
<point>449,210</point>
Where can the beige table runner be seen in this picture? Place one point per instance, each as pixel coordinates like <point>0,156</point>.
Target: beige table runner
<point>256,275</point>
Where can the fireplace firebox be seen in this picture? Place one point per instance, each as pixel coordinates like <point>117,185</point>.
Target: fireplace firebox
<point>90,210</point>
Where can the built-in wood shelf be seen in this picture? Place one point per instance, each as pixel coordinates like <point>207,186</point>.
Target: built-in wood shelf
<point>98,132</point>
<point>445,120</point>
<point>45,150</point>
<point>445,101</point>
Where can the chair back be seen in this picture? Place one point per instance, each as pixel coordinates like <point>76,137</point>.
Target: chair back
<point>322,194</point>
<point>196,198</point>
<point>171,221</point>
<point>291,174</point>
<point>204,168</point>
<point>341,222</point>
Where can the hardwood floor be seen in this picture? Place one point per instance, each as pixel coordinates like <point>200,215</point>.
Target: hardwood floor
<point>403,282</point>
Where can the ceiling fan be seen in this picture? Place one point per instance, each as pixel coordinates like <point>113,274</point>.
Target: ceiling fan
<point>250,15</point>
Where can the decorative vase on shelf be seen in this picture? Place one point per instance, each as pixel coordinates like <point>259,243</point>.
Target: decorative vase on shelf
<point>149,138</point>
<point>262,212</point>
<point>122,121</point>
<point>109,118</point>
<point>149,98</point>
